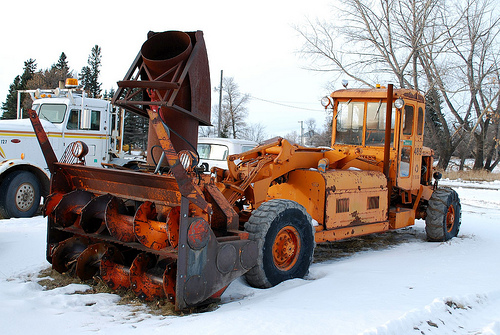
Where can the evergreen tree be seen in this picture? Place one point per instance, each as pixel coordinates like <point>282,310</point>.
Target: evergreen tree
<point>20,83</point>
<point>10,105</point>
<point>29,71</point>
<point>109,95</point>
<point>135,130</point>
<point>62,64</point>
<point>89,75</point>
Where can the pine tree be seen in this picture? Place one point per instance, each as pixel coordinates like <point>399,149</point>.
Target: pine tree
<point>20,83</point>
<point>10,104</point>
<point>135,130</point>
<point>62,63</point>
<point>89,75</point>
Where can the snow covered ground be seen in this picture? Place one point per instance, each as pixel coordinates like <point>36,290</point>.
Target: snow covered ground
<point>407,287</point>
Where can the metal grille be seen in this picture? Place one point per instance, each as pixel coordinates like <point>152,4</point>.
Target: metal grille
<point>343,205</point>
<point>373,202</point>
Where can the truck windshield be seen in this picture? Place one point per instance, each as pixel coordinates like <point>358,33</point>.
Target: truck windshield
<point>52,112</point>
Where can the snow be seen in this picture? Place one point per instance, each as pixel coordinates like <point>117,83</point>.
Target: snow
<point>407,287</point>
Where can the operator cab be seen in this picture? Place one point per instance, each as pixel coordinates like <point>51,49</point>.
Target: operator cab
<point>359,120</point>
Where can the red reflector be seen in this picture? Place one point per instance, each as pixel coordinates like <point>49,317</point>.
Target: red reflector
<point>15,140</point>
<point>198,234</point>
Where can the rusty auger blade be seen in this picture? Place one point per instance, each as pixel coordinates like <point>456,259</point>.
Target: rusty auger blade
<point>88,262</point>
<point>113,271</point>
<point>67,252</point>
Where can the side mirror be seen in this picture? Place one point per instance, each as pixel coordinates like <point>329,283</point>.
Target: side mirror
<point>85,119</point>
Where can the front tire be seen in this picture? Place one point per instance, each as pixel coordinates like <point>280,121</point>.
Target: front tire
<point>443,215</point>
<point>19,195</point>
<point>284,235</point>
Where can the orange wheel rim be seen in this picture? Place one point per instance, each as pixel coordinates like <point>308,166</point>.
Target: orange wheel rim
<point>286,248</point>
<point>450,218</point>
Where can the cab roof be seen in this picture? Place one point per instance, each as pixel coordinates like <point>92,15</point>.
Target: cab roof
<point>376,93</point>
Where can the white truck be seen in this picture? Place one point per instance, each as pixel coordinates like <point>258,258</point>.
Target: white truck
<point>215,150</point>
<point>67,115</point>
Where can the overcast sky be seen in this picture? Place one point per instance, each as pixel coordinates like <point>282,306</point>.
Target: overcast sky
<point>254,42</point>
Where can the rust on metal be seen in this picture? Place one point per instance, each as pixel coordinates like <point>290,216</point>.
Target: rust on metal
<point>66,253</point>
<point>48,152</point>
<point>88,262</point>
<point>67,211</point>
<point>198,234</point>
<point>145,279</point>
<point>113,270</point>
<point>93,214</point>
<point>119,223</point>
<point>150,232</point>
<point>185,184</point>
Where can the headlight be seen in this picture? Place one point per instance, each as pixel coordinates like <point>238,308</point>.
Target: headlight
<point>325,101</point>
<point>399,103</point>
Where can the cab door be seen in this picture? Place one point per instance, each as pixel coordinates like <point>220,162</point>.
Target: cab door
<point>410,146</point>
<point>90,131</point>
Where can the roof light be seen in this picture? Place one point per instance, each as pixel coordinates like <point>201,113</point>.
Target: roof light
<point>71,82</point>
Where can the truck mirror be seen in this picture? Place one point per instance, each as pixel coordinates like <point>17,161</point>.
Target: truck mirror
<point>85,119</point>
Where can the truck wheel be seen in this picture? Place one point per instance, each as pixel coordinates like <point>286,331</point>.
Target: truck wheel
<point>443,215</point>
<point>284,235</point>
<point>19,195</point>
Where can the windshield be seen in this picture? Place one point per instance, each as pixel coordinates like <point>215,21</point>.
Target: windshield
<point>350,115</point>
<point>52,112</point>
<point>375,123</point>
<point>213,151</point>
<point>349,122</point>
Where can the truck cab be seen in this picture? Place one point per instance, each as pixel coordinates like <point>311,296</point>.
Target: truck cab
<point>67,115</point>
<point>214,151</point>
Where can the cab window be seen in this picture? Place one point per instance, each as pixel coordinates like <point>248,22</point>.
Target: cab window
<point>349,123</point>
<point>52,112</point>
<point>420,125</point>
<point>408,120</point>
<point>375,123</point>
<point>74,120</point>
<point>213,151</point>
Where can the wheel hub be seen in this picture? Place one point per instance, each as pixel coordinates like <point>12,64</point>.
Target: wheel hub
<point>25,197</point>
<point>450,218</point>
<point>286,248</point>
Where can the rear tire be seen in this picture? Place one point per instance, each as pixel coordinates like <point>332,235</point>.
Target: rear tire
<point>443,215</point>
<point>19,195</point>
<point>284,235</point>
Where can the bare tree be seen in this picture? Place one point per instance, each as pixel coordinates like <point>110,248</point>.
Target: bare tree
<point>255,132</point>
<point>234,111</point>
<point>422,44</point>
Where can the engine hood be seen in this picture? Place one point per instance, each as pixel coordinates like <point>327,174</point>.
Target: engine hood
<point>25,126</point>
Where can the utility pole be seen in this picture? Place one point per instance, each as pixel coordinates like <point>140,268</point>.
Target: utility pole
<point>220,106</point>
<point>301,132</point>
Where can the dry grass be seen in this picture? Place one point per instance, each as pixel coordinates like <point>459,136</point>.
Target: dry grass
<point>472,175</point>
<point>51,279</point>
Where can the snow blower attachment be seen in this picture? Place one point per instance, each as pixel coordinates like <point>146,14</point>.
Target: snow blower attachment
<point>155,233</point>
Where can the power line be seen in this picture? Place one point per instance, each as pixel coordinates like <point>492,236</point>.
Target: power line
<point>284,105</point>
